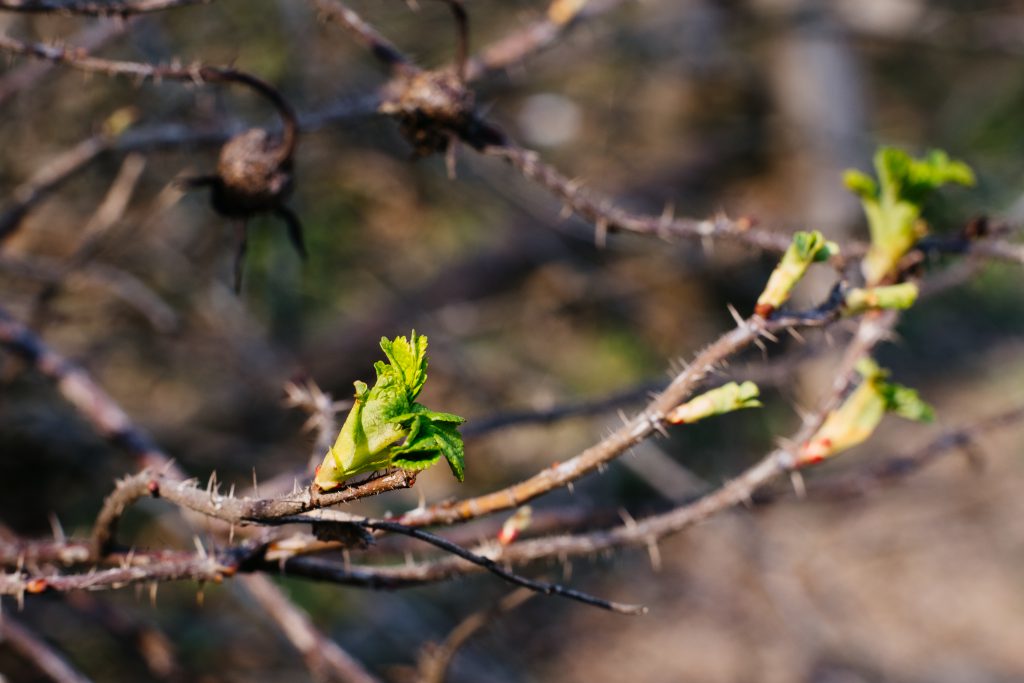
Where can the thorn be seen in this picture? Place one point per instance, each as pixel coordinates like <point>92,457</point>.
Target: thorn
<point>199,547</point>
<point>806,416</point>
<point>769,336</point>
<point>210,482</point>
<point>799,486</point>
<point>346,559</point>
<point>571,488</point>
<point>450,159</point>
<point>764,349</point>
<point>654,553</point>
<point>796,335</point>
<point>566,212</point>
<point>627,519</point>
<point>231,533</point>
<point>231,491</point>
<point>665,222</point>
<point>255,486</point>
<point>153,586</point>
<point>740,322</point>
<point>58,530</point>
<point>566,569</point>
<point>295,485</point>
<point>601,233</point>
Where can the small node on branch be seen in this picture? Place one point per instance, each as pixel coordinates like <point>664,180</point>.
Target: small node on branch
<point>431,107</point>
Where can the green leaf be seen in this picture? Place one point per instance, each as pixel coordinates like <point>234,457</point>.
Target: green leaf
<point>718,401</point>
<point>386,427</point>
<point>408,360</point>
<point>428,442</point>
<point>804,249</point>
<point>861,184</point>
<point>893,205</point>
<point>890,297</point>
<point>906,403</point>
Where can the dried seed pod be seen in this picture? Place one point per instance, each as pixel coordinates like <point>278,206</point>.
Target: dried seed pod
<point>254,171</point>
<point>434,108</point>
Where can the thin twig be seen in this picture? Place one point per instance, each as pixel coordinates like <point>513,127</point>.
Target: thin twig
<point>39,652</point>
<point>434,659</point>
<point>123,8</point>
<point>516,47</point>
<point>635,430</point>
<point>323,656</point>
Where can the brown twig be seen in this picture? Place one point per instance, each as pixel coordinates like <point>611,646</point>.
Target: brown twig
<point>39,652</point>
<point>121,284</point>
<point>199,567</point>
<point>371,39</point>
<point>514,48</point>
<point>79,389</point>
<point>92,37</point>
<point>649,420</point>
<point>324,659</point>
<point>123,8</point>
<point>435,658</point>
<point>227,508</point>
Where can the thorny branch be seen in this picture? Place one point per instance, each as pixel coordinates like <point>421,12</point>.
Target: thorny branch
<point>648,421</point>
<point>435,109</point>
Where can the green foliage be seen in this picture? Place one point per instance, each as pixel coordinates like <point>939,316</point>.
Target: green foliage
<point>386,427</point>
<point>862,411</point>
<point>805,249</point>
<point>718,401</point>
<point>888,297</point>
<point>893,204</point>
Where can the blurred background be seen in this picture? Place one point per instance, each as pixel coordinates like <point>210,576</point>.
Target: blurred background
<point>751,108</point>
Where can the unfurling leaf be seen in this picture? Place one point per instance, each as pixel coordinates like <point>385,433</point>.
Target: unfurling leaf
<point>386,427</point>
<point>724,399</point>
<point>893,204</point>
<point>859,415</point>
<point>805,249</point>
<point>891,297</point>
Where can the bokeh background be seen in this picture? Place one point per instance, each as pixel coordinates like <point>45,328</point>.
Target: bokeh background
<point>751,108</point>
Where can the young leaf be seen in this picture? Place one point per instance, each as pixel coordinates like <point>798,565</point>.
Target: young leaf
<point>805,249</point>
<point>893,204</point>
<point>387,427</point>
<point>891,297</point>
<point>724,399</point>
<point>859,415</point>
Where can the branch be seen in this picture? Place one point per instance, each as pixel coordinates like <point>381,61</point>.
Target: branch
<point>199,567</point>
<point>365,34</point>
<point>209,502</point>
<point>322,654</point>
<point>651,419</point>
<point>79,389</point>
<point>562,15</point>
<point>39,652</point>
<point>434,659</point>
<point>123,8</point>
